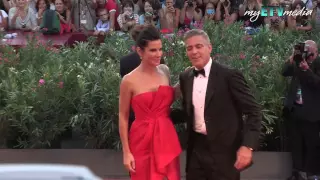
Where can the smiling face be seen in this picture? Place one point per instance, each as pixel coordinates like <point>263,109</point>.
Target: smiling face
<point>59,5</point>
<point>169,3</point>
<point>21,3</point>
<point>42,4</point>
<point>128,9</point>
<point>152,53</point>
<point>198,50</point>
<point>147,7</point>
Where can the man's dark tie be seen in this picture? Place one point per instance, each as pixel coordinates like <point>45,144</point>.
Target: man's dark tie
<point>197,72</point>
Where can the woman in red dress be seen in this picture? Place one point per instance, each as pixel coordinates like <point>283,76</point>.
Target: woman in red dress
<point>151,149</point>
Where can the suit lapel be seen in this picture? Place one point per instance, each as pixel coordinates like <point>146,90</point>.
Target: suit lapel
<point>212,84</point>
<point>189,91</point>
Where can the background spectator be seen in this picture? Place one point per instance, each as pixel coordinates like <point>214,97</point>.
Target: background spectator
<point>22,17</point>
<point>3,20</point>
<point>127,19</point>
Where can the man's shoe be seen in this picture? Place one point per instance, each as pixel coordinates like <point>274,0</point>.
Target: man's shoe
<point>314,177</point>
<point>297,176</point>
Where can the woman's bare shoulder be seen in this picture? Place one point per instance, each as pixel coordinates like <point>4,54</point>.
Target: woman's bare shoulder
<point>164,68</point>
<point>128,79</point>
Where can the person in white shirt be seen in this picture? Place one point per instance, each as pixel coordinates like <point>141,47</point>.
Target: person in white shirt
<point>22,17</point>
<point>103,25</point>
<point>3,20</point>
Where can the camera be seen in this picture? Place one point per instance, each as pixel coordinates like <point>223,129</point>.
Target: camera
<point>148,14</point>
<point>190,3</point>
<point>128,18</point>
<point>24,26</point>
<point>301,53</point>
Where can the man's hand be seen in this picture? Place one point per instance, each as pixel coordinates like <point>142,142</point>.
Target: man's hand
<point>291,59</point>
<point>304,65</point>
<point>189,67</point>
<point>171,9</point>
<point>244,158</point>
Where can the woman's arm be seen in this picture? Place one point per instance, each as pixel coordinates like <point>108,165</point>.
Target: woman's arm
<point>282,25</point>
<point>61,18</point>
<point>291,22</point>
<point>120,21</point>
<point>183,13</point>
<point>4,18</point>
<point>242,8</point>
<point>33,19</point>
<point>197,15</point>
<point>13,14</point>
<point>68,17</point>
<point>162,19</point>
<point>176,18</point>
<point>124,111</point>
<point>218,12</point>
<point>94,4</point>
<point>6,5</point>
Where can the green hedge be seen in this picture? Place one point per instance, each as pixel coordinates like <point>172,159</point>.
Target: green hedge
<point>44,90</point>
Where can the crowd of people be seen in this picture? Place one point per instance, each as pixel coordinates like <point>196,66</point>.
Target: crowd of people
<point>103,16</point>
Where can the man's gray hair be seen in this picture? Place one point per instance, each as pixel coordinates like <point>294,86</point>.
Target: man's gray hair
<point>196,32</point>
<point>311,43</point>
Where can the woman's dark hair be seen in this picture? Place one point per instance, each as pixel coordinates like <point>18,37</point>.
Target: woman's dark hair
<point>149,33</point>
<point>296,3</point>
<point>143,4</point>
<point>45,1</point>
<point>155,4</point>
<point>302,5</point>
<point>127,3</point>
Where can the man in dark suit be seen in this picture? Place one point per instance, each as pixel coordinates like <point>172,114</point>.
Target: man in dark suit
<point>131,61</point>
<point>301,111</point>
<point>215,99</point>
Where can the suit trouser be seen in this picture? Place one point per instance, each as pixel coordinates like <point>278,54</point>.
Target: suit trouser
<point>207,165</point>
<point>304,139</point>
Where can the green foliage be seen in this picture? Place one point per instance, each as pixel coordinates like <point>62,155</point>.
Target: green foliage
<point>45,90</point>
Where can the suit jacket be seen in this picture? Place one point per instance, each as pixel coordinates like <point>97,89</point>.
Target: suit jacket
<point>309,82</point>
<point>128,63</point>
<point>228,98</point>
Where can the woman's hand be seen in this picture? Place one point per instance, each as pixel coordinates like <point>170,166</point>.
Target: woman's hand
<point>129,163</point>
<point>59,15</point>
<point>185,5</point>
<point>171,9</point>
<point>40,12</point>
<point>18,13</point>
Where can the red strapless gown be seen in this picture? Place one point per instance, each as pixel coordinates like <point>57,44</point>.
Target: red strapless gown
<point>153,139</point>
